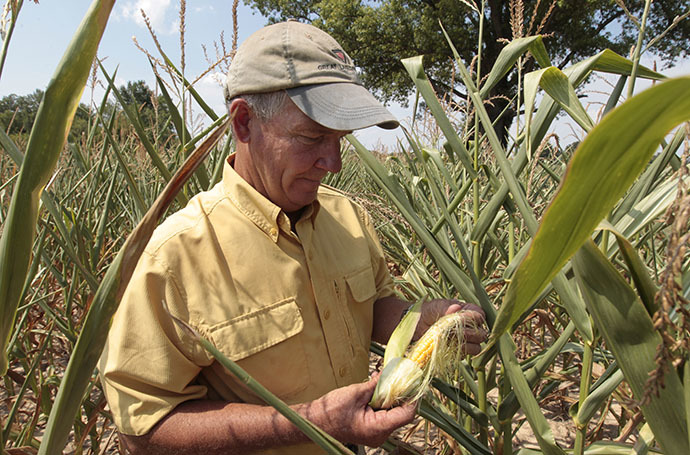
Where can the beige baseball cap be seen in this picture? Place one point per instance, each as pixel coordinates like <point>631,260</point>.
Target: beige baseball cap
<point>316,72</point>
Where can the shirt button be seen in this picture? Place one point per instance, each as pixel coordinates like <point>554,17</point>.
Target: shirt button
<point>310,255</point>
<point>327,314</point>
<point>342,371</point>
<point>273,232</point>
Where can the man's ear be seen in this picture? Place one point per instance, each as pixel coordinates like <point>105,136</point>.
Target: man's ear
<point>241,115</point>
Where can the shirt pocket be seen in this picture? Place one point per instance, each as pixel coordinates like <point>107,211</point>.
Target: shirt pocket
<point>267,345</point>
<point>358,290</point>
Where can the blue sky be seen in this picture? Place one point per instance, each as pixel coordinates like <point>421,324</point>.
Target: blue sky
<point>44,30</point>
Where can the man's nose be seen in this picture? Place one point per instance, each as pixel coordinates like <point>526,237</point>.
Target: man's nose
<point>330,159</point>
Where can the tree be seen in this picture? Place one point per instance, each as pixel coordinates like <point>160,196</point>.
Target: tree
<point>153,110</point>
<point>17,114</point>
<point>378,33</point>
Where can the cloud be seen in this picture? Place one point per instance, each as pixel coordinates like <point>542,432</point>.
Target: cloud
<point>155,10</point>
<point>210,88</point>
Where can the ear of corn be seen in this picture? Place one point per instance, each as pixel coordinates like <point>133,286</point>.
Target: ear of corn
<point>407,378</point>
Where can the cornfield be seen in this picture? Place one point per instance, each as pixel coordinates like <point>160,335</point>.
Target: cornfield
<point>578,255</point>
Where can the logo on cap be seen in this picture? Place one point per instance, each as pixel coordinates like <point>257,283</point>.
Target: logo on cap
<point>340,55</point>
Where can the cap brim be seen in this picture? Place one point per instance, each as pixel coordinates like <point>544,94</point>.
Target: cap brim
<point>342,106</point>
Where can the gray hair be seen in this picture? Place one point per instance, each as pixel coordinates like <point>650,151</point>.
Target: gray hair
<point>264,105</point>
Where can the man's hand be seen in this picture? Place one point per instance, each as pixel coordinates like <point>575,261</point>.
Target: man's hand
<point>473,321</point>
<point>346,415</point>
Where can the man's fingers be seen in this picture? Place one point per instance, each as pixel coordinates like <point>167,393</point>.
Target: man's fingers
<point>472,348</point>
<point>474,335</point>
<point>398,416</point>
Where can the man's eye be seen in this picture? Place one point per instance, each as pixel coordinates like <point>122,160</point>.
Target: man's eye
<point>309,139</point>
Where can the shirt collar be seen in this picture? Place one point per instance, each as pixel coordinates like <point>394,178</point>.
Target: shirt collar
<point>254,205</point>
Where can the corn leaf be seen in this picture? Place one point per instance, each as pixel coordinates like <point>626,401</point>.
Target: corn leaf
<point>605,61</point>
<point>188,86</point>
<point>446,263</point>
<point>646,288</point>
<point>558,86</point>
<point>402,335</point>
<point>650,178</point>
<point>448,423</point>
<point>629,332</point>
<point>540,427</point>
<point>182,131</point>
<point>509,404</point>
<point>597,398</point>
<point>510,54</point>
<point>415,69</point>
<point>48,135</point>
<point>601,170</point>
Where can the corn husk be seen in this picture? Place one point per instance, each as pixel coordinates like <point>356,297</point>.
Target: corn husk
<point>404,380</point>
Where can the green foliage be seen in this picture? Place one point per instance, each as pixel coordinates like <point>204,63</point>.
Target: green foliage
<point>17,114</point>
<point>380,34</point>
<point>152,108</point>
<point>444,254</point>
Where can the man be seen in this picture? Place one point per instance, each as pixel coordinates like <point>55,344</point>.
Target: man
<point>286,277</point>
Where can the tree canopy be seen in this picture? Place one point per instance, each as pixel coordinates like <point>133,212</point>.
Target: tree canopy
<point>378,33</point>
<point>17,112</point>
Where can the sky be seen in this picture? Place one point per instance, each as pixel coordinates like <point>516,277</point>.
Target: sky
<point>44,30</point>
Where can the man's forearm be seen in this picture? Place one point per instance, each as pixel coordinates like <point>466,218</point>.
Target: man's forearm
<point>212,427</point>
<point>387,314</point>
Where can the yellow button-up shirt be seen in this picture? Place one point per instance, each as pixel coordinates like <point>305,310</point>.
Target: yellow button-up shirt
<point>293,307</point>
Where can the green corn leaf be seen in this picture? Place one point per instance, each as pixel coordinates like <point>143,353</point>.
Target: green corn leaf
<point>601,170</point>
<point>606,60</point>
<point>48,135</point>
<point>597,398</point>
<point>447,264</point>
<point>466,403</point>
<point>137,197</point>
<point>649,180</point>
<point>415,69</point>
<point>438,416</point>
<point>629,332</point>
<point>182,131</point>
<point>509,405</point>
<point>540,427</point>
<point>510,54</point>
<point>644,442</point>
<point>189,87</point>
<point>134,118</point>
<point>646,288</point>
<point>557,85</point>
<point>402,335</point>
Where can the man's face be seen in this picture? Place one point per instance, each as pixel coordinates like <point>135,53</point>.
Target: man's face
<point>290,155</point>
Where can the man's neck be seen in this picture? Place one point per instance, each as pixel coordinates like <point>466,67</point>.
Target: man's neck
<point>294,217</point>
